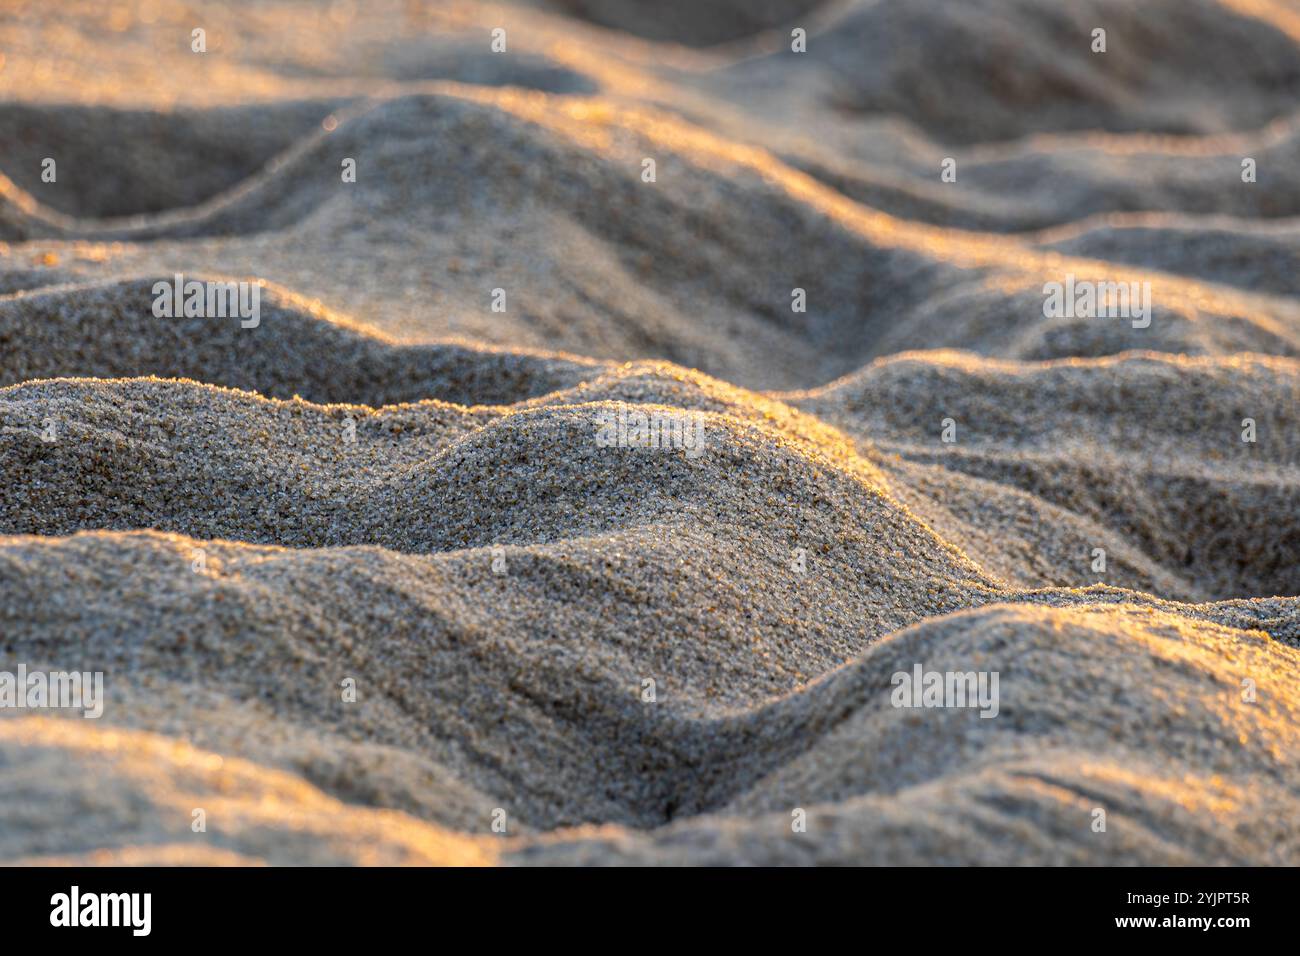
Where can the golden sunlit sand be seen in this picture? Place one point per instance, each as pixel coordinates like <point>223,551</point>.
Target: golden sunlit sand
<point>372,579</point>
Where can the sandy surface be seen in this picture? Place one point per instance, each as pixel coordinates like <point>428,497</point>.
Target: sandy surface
<point>387,483</point>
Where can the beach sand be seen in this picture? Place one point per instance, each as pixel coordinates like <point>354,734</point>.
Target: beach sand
<point>385,574</point>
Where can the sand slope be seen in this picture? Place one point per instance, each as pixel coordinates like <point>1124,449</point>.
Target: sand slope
<point>385,483</point>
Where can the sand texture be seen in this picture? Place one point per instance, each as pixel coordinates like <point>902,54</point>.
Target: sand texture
<point>388,485</point>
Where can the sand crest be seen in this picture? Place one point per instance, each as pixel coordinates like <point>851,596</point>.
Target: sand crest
<point>527,521</point>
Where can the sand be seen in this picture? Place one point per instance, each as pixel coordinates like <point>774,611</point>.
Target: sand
<point>566,650</point>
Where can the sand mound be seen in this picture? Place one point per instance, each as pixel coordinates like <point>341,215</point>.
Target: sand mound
<point>1014,67</point>
<point>1050,181</point>
<point>976,794</point>
<point>480,519</point>
<point>297,348</point>
<point>538,228</point>
<point>1149,447</point>
<point>1265,258</point>
<point>568,745</point>
<point>108,163</point>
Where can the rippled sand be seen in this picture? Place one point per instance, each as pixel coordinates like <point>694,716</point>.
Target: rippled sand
<point>568,650</point>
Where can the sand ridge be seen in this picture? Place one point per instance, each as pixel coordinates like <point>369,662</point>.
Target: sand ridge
<point>570,649</point>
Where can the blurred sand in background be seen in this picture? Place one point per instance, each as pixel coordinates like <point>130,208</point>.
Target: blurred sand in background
<point>388,481</point>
